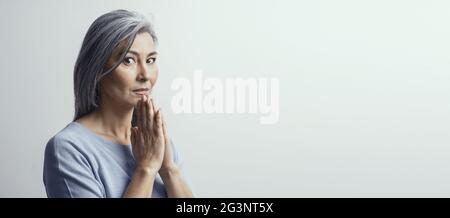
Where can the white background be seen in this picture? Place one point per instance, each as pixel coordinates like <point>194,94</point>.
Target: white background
<point>364,92</point>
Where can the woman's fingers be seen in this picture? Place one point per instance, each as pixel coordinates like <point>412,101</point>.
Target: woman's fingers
<point>150,123</point>
<point>145,116</point>
<point>153,105</point>
<point>142,115</point>
<point>159,125</point>
<point>164,127</point>
<point>155,117</point>
<point>139,113</point>
<point>151,112</point>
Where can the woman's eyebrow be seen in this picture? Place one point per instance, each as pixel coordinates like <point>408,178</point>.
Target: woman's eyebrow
<point>137,53</point>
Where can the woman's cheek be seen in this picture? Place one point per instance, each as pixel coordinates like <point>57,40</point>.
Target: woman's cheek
<point>154,77</point>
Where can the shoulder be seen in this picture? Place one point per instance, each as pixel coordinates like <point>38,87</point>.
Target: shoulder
<point>68,141</point>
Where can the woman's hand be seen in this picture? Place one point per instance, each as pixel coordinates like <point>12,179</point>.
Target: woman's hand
<point>153,153</point>
<point>171,175</point>
<point>147,139</point>
<point>168,162</point>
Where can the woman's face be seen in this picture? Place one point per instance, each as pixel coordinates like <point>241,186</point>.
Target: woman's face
<point>134,77</point>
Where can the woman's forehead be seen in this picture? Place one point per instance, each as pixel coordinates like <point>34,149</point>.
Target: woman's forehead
<point>143,44</point>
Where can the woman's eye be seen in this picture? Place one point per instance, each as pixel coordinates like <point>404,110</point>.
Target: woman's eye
<point>128,60</point>
<point>151,60</point>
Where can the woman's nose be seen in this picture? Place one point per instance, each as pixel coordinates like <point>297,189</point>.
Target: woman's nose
<point>144,73</point>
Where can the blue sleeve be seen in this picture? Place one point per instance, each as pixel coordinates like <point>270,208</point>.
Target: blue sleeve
<point>67,172</point>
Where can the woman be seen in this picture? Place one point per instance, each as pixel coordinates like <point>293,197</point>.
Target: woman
<point>117,144</point>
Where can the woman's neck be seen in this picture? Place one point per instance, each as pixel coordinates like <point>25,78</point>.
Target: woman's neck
<point>111,121</point>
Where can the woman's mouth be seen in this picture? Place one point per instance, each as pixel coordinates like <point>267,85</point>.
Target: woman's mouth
<point>142,91</point>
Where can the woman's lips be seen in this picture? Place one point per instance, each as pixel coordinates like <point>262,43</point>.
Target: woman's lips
<point>141,91</point>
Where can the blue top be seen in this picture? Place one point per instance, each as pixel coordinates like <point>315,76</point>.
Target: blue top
<point>80,163</point>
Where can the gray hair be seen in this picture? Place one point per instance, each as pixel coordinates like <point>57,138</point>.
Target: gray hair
<point>110,32</point>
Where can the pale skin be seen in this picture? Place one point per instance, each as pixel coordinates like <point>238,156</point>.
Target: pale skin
<point>149,140</point>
